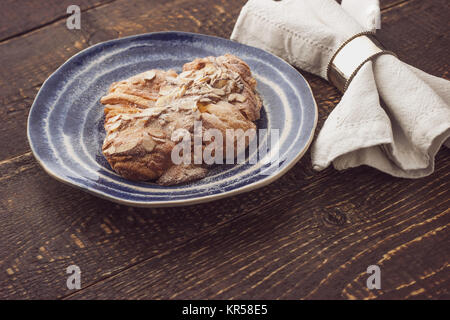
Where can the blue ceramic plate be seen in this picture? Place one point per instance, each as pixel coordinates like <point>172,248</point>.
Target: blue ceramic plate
<point>65,124</point>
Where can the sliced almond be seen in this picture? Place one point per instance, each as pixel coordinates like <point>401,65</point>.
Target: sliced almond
<point>158,140</point>
<point>109,151</point>
<point>127,117</point>
<point>220,83</point>
<point>126,146</point>
<point>122,98</point>
<point>139,124</point>
<point>111,136</point>
<point>186,74</point>
<point>163,101</point>
<point>114,119</point>
<point>209,69</point>
<point>204,100</point>
<point>202,106</point>
<point>181,92</point>
<point>149,75</point>
<point>166,90</point>
<point>114,126</point>
<point>156,133</point>
<point>203,79</point>
<point>235,75</point>
<point>213,96</point>
<point>219,92</point>
<point>186,104</point>
<point>148,143</point>
<point>150,112</point>
<point>237,97</point>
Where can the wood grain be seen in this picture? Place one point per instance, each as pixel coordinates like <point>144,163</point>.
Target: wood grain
<point>47,226</point>
<point>19,16</point>
<point>291,229</point>
<point>308,235</point>
<point>292,249</point>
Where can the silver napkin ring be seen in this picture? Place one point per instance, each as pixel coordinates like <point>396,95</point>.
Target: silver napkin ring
<point>351,56</point>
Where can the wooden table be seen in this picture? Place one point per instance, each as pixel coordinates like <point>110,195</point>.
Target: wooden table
<point>308,235</point>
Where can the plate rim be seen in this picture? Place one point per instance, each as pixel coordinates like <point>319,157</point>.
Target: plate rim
<point>182,202</point>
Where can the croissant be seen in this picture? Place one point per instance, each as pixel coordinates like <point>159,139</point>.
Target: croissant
<point>144,113</point>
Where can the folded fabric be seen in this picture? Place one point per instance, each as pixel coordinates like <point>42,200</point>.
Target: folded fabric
<point>392,116</point>
<point>366,12</point>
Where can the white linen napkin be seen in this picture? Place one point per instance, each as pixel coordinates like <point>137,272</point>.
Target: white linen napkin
<point>366,12</point>
<point>400,136</point>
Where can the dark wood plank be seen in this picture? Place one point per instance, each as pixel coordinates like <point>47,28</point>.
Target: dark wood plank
<point>420,34</point>
<point>19,16</point>
<point>306,245</point>
<point>47,226</point>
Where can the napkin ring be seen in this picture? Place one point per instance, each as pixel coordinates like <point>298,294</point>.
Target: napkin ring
<point>351,56</point>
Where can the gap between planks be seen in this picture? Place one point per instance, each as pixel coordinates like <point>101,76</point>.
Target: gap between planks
<point>180,245</point>
<point>49,23</point>
<point>183,243</point>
